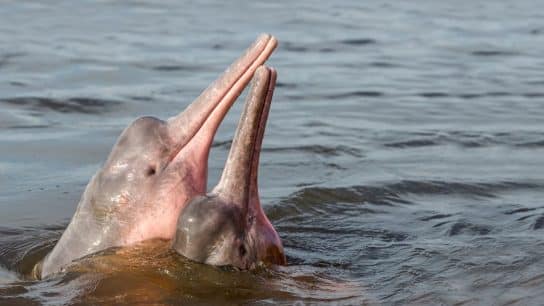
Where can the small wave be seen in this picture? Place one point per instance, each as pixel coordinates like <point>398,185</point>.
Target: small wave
<point>7,57</point>
<point>381,64</point>
<point>465,189</point>
<point>293,47</point>
<point>22,248</point>
<point>7,231</point>
<point>477,95</point>
<point>358,41</point>
<point>531,144</point>
<point>327,151</point>
<point>463,227</point>
<point>141,98</point>
<point>519,210</point>
<point>338,96</point>
<point>18,84</point>
<point>386,195</point>
<point>469,139</point>
<point>382,234</point>
<point>358,93</point>
<point>412,143</point>
<point>434,217</point>
<point>433,94</point>
<point>467,96</point>
<point>534,94</point>
<point>70,105</point>
<point>172,66</point>
<point>426,94</point>
<point>493,53</point>
<point>222,144</point>
<point>286,85</point>
<point>539,223</point>
<point>349,195</point>
<point>167,68</point>
<point>327,50</point>
<point>327,46</point>
<point>524,217</point>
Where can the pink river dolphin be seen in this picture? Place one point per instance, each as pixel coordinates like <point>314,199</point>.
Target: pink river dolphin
<point>157,167</point>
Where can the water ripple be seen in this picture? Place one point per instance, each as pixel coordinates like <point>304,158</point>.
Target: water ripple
<point>358,41</point>
<point>71,105</point>
<point>393,194</point>
<point>324,150</point>
<point>467,228</point>
<point>493,53</point>
<point>473,139</point>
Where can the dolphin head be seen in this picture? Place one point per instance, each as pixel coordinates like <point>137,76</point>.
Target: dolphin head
<point>157,166</point>
<point>153,170</point>
<point>228,226</point>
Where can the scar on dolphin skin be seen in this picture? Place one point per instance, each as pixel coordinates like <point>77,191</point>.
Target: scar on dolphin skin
<point>153,170</point>
<point>228,226</point>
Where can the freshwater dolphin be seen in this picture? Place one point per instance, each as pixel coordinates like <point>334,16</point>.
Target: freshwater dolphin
<point>153,170</point>
<point>228,225</point>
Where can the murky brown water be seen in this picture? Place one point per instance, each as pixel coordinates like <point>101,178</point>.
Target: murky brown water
<point>403,161</point>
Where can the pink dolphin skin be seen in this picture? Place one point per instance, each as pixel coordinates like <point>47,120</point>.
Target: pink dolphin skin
<point>228,226</point>
<point>152,172</point>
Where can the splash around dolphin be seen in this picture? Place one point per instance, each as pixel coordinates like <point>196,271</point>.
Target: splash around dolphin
<point>153,170</point>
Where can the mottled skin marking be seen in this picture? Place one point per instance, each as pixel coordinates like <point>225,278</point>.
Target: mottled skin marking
<point>228,226</point>
<point>152,171</point>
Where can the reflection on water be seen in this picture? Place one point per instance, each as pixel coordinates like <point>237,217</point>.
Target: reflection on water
<point>402,163</point>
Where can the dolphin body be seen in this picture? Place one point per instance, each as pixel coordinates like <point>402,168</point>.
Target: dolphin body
<point>228,225</point>
<point>152,172</point>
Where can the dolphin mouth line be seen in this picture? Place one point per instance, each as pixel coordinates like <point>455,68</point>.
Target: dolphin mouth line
<point>233,89</point>
<point>238,182</point>
<point>256,143</point>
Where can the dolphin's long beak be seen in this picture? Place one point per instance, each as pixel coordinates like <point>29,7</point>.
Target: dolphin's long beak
<point>239,179</point>
<point>193,129</point>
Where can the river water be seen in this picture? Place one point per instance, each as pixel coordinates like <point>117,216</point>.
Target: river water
<point>403,161</point>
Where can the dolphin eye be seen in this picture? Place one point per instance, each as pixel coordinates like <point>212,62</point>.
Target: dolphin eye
<point>150,171</point>
<point>242,250</point>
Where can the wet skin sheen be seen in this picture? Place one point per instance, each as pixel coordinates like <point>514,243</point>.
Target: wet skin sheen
<point>152,171</point>
<point>228,226</point>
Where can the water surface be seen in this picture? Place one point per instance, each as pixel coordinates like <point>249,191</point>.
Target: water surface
<point>403,161</point>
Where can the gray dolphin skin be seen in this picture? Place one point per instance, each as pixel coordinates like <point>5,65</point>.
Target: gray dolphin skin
<point>153,170</point>
<point>228,227</point>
